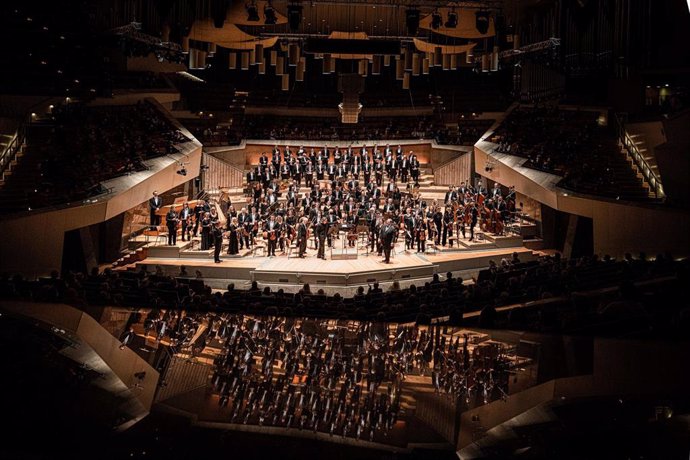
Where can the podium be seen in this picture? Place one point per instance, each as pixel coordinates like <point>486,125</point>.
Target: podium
<point>345,252</point>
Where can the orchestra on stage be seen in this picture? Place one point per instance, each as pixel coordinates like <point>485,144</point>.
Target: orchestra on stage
<point>295,196</point>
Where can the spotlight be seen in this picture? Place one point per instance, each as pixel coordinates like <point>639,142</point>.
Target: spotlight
<point>482,21</point>
<point>182,171</point>
<point>252,12</point>
<point>270,14</point>
<point>436,20</point>
<point>140,375</point>
<point>452,21</point>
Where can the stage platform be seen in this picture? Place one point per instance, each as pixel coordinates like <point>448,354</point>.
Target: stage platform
<point>292,272</point>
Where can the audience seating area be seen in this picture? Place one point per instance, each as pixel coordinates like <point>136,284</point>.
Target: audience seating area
<point>571,144</point>
<point>68,157</point>
<point>552,294</point>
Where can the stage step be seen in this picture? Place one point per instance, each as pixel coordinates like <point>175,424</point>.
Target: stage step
<point>478,243</point>
<point>167,252</point>
<point>504,241</point>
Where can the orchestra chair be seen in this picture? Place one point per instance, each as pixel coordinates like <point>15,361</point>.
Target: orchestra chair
<point>259,245</point>
<point>293,248</point>
<point>430,247</point>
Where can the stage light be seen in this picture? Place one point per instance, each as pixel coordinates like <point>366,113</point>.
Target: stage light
<point>436,20</point>
<point>412,20</point>
<point>270,14</point>
<point>252,12</point>
<point>482,22</point>
<point>452,21</point>
<point>182,171</point>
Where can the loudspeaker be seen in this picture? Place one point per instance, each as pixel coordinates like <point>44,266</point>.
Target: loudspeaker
<point>412,16</point>
<point>294,14</point>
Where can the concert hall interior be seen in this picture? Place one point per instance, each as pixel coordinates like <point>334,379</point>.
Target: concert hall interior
<point>382,229</point>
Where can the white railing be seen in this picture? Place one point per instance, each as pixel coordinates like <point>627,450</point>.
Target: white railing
<point>649,174</point>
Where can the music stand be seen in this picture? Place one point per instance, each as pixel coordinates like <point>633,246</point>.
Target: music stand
<point>363,231</point>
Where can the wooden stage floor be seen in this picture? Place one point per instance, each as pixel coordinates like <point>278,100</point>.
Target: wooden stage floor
<point>291,272</point>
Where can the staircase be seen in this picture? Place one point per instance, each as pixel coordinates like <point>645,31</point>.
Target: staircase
<point>640,142</point>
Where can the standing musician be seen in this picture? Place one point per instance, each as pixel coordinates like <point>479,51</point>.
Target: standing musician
<point>234,236</point>
<point>244,225</point>
<point>185,215</point>
<point>448,223</point>
<point>217,235</point>
<point>271,230</point>
<point>422,229</point>
<point>171,221</point>
<point>321,232</point>
<point>411,227</point>
<point>474,215</point>
<point>387,234</point>
<point>414,168</point>
<point>206,225</point>
<point>199,209</point>
<point>155,203</point>
<point>302,235</point>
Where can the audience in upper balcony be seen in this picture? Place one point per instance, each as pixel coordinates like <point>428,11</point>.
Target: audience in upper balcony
<point>86,146</point>
<point>467,132</point>
<point>571,144</point>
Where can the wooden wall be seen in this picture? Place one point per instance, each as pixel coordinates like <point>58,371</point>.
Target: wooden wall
<point>454,171</point>
<point>221,174</point>
<point>440,413</point>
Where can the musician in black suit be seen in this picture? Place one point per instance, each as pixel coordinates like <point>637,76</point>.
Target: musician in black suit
<point>272,233</point>
<point>199,210</point>
<point>475,215</point>
<point>171,220</point>
<point>308,174</point>
<point>185,214</point>
<point>321,233</point>
<point>366,169</point>
<point>302,236</point>
<point>155,203</point>
<point>451,196</point>
<point>217,235</point>
<point>386,236</point>
<point>414,169</point>
<point>245,226</point>
<point>410,227</point>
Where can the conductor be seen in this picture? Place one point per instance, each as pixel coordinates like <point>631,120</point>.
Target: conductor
<point>386,237</point>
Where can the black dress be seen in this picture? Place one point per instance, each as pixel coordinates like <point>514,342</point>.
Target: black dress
<point>233,246</point>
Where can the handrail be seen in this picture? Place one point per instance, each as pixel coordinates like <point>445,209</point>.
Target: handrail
<point>650,175</point>
<point>9,153</point>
